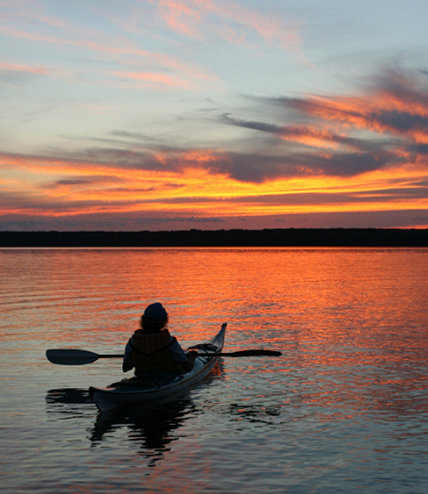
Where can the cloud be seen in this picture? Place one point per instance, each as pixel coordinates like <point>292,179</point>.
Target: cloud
<point>395,102</point>
<point>416,190</point>
<point>153,79</point>
<point>385,125</point>
<point>261,126</point>
<point>402,121</point>
<point>28,69</point>
<point>229,21</point>
<point>16,73</point>
<point>365,150</point>
<point>314,136</point>
<point>85,180</point>
<point>124,52</point>
<point>156,222</point>
<point>110,221</point>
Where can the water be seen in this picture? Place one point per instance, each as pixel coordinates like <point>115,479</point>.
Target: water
<point>344,409</point>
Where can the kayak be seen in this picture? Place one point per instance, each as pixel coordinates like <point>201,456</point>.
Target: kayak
<point>132,391</point>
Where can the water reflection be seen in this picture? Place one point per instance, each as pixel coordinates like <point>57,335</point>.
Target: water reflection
<point>152,429</point>
<point>352,382</point>
<point>66,403</point>
<point>254,414</point>
<point>68,396</point>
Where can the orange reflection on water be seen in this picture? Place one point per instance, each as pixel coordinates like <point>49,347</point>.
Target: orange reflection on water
<point>351,323</point>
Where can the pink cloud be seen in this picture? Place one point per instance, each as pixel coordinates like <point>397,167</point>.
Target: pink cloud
<point>195,17</point>
<point>181,17</point>
<point>13,67</point>
<point>152,78</point>
<point>100,43</point>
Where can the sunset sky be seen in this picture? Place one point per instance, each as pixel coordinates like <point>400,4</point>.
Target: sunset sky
<point>212,114</point>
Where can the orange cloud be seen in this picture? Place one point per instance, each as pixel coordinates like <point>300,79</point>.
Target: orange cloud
<point>384,127</point>
<point>362,153</point>
<point>52,187</point>
<point>399,108</point>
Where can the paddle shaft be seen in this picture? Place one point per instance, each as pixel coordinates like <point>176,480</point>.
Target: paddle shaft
<point>241,353</point>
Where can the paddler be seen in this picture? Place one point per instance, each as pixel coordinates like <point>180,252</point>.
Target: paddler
<point>152,349</point>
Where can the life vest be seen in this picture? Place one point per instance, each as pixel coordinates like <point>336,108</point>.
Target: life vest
<point>151,352</point>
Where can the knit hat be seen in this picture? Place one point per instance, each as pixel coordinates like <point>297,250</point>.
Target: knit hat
<point>155,312</point>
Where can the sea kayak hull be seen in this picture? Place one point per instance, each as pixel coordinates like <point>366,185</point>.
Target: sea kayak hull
<point>119,395</point>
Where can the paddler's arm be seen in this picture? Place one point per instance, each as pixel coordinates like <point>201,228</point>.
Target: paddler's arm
<point>127,360</point>
<point>186,360</point>
<point>190,362</point>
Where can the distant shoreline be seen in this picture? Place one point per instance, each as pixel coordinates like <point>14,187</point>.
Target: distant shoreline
<point>290,237</point>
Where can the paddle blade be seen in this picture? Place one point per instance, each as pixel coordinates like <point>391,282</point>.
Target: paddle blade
<point>71,356</point>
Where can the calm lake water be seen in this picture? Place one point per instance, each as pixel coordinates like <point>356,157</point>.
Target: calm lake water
<point>344,410</point>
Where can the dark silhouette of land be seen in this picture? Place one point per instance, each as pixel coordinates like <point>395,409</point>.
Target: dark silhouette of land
<point>292,237</point>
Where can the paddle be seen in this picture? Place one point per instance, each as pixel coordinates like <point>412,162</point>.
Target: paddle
<point>80,357</point>
<point>243,353</point>
<point>75,357</point>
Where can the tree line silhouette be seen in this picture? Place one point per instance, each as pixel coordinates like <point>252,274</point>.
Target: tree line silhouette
<point>291,237</point>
